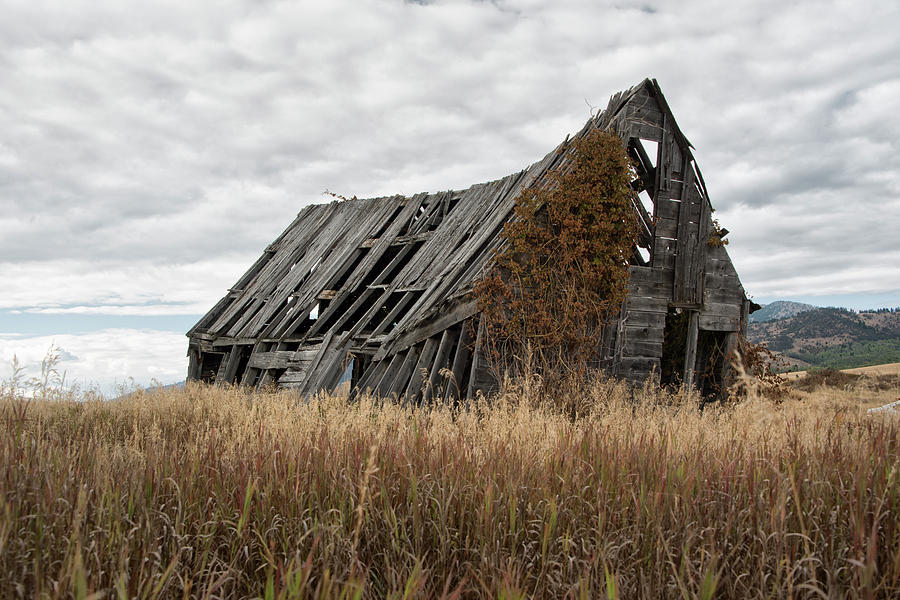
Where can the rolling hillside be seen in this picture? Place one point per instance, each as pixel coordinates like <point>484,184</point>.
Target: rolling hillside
<point>832,337</point>
<point>780,309</point>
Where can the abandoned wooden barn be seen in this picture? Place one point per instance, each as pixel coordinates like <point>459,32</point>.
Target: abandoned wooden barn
<point>379,291</point>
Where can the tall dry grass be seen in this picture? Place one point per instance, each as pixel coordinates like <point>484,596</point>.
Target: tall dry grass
<point>214,492</point>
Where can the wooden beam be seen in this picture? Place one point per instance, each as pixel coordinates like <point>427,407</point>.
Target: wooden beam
<point>440,362</point>
<point>414,389</point>
<point>460,362</point>
<point>231,365</point>
<point>403,374</point>
<point>476,358</point>
<point>384,383</point>
<point>370,378</point>
<point>690,352</point>
<point>430,328</point>
<point>193,363</point>
<point>401,304</point>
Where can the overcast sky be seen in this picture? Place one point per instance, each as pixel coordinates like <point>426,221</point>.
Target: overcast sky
<point>149,151</point>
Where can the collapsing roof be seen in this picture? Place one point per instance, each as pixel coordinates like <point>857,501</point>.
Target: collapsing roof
<point>379,291</point>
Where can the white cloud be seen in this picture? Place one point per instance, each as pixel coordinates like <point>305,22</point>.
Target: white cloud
<point>119,286</point>
<point>103,359</point>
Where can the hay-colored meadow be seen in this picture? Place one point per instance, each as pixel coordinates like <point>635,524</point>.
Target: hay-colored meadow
<point>216,492</point>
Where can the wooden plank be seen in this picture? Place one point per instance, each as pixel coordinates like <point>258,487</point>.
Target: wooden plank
<point>414,389</point>
<point>645,113</point>
<point>343,250</point>
<point>638,318</point>
<point>370,378</point>
<point>664,254</point>
<point>389,319</point>
<point>271,360</point>
<point>722,309</point>
<point>641,274</point>
<point>387,378</point>
<point>488,227</point>
<point>383,293</point>
<point>644,333</point>
<point>317,359</point>
<point>332,365</point>
<point>720,267</point>
<point>401,378</point>
<point>693,232</point>
<point>645,131</point>
<point>460,362</point>
<point>346,314</point>
<point>248,377</point>
<point>193,363</point>
<point>660,289</point>
<point>637,368</point>
<point>745,317</point>
<point>483,380</point>
<point>430,328</point>
<point>723,281</point>
<point>719,323</point>
<point>293,377</point>
<point>652,349</point>
<point>231,365</point>
<point>661,159</point>
<point>698,260</point>
<point>281,359</point>
<point>643,341</point>
<point>723,295</point>
<point>478,361</point>
<point>440,362</point>
<point>647,304</point>
<point>228,341</point>
<point>666,228</point>
<point>296,245</point>
<point>690,352</point>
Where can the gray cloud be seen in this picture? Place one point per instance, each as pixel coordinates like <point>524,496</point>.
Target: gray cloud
<point>175,140</point>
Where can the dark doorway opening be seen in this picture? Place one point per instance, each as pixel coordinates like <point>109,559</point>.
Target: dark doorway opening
<point>209,365</point>
<point>674,347</point>
<point>712,348</point>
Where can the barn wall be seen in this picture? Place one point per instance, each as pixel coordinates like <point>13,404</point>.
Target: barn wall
<point>381,288</point>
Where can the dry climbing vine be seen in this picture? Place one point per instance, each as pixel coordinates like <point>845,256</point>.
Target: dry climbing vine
<point>563,269</point>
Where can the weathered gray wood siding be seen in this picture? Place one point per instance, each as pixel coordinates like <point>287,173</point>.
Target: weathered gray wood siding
<point>387,282</point>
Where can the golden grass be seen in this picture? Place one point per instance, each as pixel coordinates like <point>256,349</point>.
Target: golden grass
<point>213,492</point>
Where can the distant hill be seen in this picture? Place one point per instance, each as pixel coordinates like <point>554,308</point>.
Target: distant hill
<point>832,337</point>
<point>780,309</point>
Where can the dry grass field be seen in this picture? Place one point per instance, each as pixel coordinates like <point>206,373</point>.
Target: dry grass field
<point>886,370</point>
<point>212,492</point>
